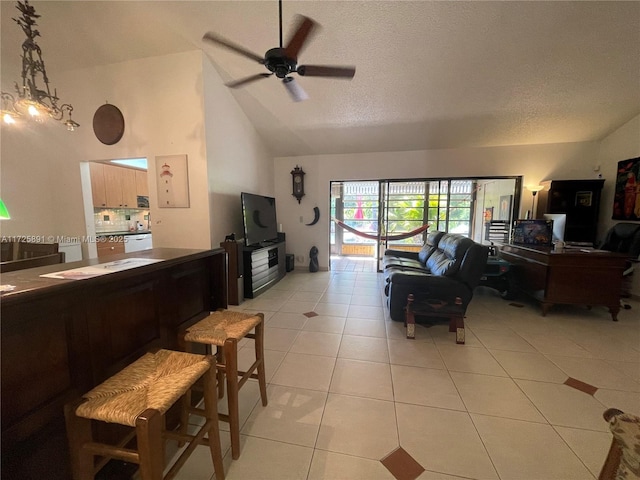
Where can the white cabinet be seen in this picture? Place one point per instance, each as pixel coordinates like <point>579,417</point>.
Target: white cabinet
<point>135,243</point>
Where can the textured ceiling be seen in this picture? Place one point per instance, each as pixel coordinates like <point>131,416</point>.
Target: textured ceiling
<point>429,74</point>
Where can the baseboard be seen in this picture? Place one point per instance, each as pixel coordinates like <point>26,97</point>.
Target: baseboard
<point>301,269</point>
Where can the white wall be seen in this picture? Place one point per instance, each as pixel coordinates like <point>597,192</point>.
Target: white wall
<point>160,99</point>
<point>237,158</point>
<point>168,110</point>
<point>622,144</point>
<point>534,162</point>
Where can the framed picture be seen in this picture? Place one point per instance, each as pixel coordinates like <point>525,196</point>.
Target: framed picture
<point>172,179</point>
<point>488,214</point>
<point>583,199</point>
<point>504,209</point>
<point>626,202</point>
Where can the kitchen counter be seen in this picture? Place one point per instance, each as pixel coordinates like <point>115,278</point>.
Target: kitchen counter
<point>124,232</point>
<point>29,282</point>
<point>60,338</point>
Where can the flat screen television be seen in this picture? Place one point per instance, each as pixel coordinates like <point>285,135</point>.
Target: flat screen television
<point>259,216</point>
<point>559,224</point>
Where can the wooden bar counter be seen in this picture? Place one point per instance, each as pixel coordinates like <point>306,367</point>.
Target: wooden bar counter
<point>60,338</point>
<point>572,276</point>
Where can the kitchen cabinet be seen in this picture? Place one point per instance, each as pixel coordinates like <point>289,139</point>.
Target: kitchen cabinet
<point>129,193</point>
<point>97,185</point>
<point>110,245</point>
<point>117,187</point>
<point>142,183</point>
<point>120,187</point>
<point>137,243</point>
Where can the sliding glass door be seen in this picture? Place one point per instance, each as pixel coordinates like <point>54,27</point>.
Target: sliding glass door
<point>375,215</point>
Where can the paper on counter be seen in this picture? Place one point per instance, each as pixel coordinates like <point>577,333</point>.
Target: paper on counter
<point>101,269</point>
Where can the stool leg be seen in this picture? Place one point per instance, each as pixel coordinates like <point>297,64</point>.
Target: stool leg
<point>211,409</point>
<point>149,426</point>
<point>259,345</point>
<point>220,372</point>
<point>231,371</point>
<point>186,398</point>
<point>78,433</point>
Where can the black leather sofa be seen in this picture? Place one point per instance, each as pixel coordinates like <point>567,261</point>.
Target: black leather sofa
<point>447,266</point>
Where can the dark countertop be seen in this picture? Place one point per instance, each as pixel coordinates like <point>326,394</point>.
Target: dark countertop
<point>29,281</point>
<point>124,232</point>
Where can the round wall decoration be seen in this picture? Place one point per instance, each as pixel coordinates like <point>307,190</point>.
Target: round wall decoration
<point>108,124</point>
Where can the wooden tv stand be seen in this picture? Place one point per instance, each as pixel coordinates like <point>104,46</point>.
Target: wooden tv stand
<point>264,266</point>
<point>569,277</point>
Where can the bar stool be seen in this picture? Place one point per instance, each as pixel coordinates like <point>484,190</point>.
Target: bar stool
<point>224,328</point>
<point>139,396</point>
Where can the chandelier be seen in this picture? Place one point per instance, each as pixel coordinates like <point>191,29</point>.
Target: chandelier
<point>31,100</point>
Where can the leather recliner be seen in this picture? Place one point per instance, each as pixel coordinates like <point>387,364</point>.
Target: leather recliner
<point>452,268</point>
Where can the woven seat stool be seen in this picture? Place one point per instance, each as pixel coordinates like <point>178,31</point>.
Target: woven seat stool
<point>139,396</point>
<point>224,329</point>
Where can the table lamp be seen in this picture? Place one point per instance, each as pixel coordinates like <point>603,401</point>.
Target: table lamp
<point>534,189</point>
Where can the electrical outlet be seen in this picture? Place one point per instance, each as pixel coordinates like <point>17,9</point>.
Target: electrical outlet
<point>301,219</point>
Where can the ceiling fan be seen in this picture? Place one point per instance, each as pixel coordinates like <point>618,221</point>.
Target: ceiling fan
<point>282,61</point>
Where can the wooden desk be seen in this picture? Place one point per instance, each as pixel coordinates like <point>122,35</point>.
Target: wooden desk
<point>568,277</point>
<point>60,338</point>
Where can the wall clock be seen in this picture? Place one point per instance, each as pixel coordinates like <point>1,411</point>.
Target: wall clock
<point>297,176</point>
<point>108,124</point>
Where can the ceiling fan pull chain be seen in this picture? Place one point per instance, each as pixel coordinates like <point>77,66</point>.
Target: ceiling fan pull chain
<point>280,17</point>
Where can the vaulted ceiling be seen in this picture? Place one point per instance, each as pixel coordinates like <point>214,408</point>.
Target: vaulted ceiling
<point>430,74</point>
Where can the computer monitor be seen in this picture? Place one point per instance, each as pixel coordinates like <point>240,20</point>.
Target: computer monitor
<point>559,224</point>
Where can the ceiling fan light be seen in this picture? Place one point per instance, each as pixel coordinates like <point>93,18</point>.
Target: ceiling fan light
<point>295,90</point>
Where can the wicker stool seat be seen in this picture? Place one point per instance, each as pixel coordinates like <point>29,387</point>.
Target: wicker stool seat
<point>138,396</point>
<point>223,325</point>
<point>224,328</point>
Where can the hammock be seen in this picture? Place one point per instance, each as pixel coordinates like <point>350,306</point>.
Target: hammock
<point>399,236</point>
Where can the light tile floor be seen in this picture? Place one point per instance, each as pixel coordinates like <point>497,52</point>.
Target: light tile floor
<point>346,388</point>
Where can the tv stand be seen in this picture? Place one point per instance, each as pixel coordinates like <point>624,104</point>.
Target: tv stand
<point>264,266</point>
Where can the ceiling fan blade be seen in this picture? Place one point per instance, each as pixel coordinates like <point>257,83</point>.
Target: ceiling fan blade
<point>243,81</point>
<point>326,71</point>
<point>304,28</point>
<point>223,42</point>
<point>294,89</point>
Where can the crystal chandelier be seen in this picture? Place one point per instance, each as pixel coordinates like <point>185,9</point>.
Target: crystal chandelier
<point>31,101</point>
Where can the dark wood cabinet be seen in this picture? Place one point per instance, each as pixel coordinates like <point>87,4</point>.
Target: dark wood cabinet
<point>234,270</point>
<point>60,338</point>
<point>579,200</point>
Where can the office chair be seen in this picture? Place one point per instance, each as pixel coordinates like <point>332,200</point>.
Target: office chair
<point>624,238</point>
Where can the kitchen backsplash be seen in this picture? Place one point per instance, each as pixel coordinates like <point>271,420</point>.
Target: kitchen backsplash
<point>120,220</point>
